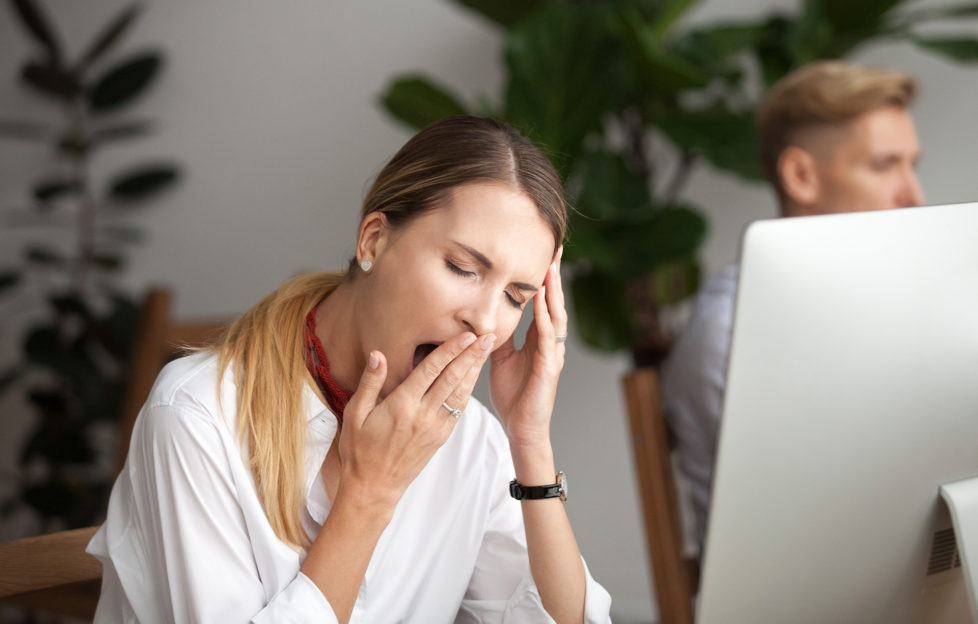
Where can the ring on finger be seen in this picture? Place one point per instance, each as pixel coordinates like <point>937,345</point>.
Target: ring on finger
<point>561,339</point>
<point>454,411</point>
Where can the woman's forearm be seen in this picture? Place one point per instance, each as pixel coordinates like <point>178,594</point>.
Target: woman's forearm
<point>555,560</point>
<point>338,558</point>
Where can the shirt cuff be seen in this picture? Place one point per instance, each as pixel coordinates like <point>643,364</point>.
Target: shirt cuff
<point>300,602</point>
<point>526,607</point>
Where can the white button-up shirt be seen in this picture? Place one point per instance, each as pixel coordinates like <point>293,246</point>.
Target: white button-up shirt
<point>186,538</point>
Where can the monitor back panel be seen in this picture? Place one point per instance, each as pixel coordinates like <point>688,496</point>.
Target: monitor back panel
<point>852,394</point>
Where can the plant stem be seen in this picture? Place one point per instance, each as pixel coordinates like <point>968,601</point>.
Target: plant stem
<point>87,206</point>
<point>638,155</point>
<point>679,178</point>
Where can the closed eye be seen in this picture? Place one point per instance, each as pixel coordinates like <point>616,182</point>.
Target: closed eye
<point>515,302</point>
<point>457,270</point>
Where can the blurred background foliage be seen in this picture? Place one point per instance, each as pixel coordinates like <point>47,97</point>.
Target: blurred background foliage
<point>73,361</point>
<point>627,99</point>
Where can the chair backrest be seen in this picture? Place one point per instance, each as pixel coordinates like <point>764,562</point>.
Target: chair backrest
<point>53,573</point>
<point>675,576</point>
<point>158,341</point>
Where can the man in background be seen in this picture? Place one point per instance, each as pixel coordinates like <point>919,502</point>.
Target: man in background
<point>834,138</point>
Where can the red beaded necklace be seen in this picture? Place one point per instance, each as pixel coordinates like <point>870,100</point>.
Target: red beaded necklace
<point>318,366</point>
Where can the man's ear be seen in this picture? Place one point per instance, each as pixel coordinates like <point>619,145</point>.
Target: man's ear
<point>373,237</point>
<point>798,174</point>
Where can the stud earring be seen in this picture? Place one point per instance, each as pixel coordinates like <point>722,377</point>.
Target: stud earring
<point>366,265</point>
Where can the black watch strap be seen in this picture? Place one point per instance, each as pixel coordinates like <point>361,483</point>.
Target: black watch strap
<point>536,492</point>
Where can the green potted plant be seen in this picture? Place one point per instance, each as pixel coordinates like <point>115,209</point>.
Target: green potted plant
<point>74,357</point>
<point>602,85</point>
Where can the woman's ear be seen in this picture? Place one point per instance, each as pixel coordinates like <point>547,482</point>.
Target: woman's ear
<point>373,237</point>
<point>799,179</point>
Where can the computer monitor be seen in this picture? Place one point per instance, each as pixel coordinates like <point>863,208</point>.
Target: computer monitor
<point>852,397</point>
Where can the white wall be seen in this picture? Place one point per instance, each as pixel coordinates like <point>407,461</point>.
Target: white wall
<point>271,108</point>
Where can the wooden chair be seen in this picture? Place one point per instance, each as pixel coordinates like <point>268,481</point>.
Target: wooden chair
<point>676,577</point>
<point>53,573</point>
<point>160,339</point>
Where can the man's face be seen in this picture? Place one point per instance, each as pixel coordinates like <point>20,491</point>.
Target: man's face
<point>870,164</point>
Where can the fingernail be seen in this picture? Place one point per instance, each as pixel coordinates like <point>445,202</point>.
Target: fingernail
<point>469,339</point>
<point>487,341</point>
<point>373,361</point>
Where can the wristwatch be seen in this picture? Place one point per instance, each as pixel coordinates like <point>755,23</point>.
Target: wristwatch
<point>534,492</point>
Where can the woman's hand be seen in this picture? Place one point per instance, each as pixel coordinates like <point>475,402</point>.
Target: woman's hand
<point>384,446</point>
<point>523,383</point>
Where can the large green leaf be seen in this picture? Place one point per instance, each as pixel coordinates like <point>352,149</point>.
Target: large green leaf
<point>50,80</point>
<point>727,140</point>
<point>112,33</point>
<point>124,81</point>
<point>668,13</point>
<point>142,182</point>
<point>602,315</point>
<point>37,24</point>
<point>712,47</point>
<point>417,101</point>
<point>961,49</point>
<point>562,77</point>
<point>605,187</point>
<point>503,12</point>
<point>633,245</point>
<point>661,69</point>
<point>863,17</point>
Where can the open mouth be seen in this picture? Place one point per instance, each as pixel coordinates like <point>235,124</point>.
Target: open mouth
<point>422,351</point>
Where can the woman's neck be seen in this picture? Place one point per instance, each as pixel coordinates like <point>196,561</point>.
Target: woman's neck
<point>337,331</point>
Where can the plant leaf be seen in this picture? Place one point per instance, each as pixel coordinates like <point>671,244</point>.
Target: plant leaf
<point>50,80</point>
<point>108,261</point>
<point>122,131</point>
<point>660,69</point>
<point>961,49</point>
<point>417,101</point>
<point>608,188</point>
<point>45,256</point>
<point>70,304</point>
<point>564,77</point>
<point>124,81</point>
<point>141,182</point>
<point>602,314</point>
<point>727,140</point>
<point>49,190</point>
<point>9,377</point>
<point>37,24</point>
<point>503,12</point>
<point>112,33</point>
<point>9,279</point>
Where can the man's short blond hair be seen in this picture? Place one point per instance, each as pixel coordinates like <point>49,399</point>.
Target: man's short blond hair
<point>824,93</point>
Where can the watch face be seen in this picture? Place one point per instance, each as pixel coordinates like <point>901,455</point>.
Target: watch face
<point>562,480</point>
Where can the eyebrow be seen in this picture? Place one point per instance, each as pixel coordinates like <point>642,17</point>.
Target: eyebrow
<point>482,259</point>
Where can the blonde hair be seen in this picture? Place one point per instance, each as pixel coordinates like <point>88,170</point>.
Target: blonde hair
<point>824,93</point>
<point>265,346</point>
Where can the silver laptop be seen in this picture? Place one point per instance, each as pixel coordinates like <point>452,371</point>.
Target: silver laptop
<point>852,397</point>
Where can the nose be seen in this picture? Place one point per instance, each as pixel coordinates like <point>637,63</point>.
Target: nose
<point>478,315</point>
<point>911,193</point>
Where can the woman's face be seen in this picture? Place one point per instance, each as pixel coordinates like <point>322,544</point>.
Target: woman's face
<point>470,265</point>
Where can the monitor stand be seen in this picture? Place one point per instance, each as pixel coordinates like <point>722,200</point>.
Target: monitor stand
<point>962,499</point>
